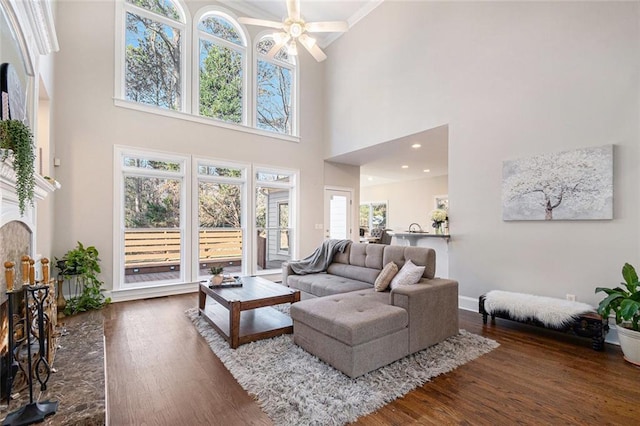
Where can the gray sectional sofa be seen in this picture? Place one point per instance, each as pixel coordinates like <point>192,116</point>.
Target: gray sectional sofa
<point>346,323</point>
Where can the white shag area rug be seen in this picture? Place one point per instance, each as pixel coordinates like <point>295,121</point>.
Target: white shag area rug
<point>294,387</point>
<point>550,311</point>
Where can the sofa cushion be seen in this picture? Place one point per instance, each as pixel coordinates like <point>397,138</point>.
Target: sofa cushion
<point>367,255</point>
<point>421,256</point>
<point>409,274</point>
<point>352,318</point>
<point>344,256</point>
<point>386,275</point>
<point>323,284</point>
<point>360,273</point>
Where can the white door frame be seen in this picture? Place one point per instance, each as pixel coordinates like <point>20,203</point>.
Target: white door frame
<point>350,213</point>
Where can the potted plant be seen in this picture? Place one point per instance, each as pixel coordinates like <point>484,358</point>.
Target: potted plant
<point>216,274</point>
<point>625,303</point>
<point>82,265</point>
<point>16,137</point>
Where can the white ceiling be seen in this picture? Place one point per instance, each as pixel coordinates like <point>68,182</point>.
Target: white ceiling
<point>382,163</point>
<point>311,10</point>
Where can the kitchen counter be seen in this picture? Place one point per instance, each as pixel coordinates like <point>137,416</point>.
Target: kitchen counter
<point>414,235</point>
<point>438,242</point>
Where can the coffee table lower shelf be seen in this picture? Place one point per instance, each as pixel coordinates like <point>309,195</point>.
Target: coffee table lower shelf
<point>255,324</point>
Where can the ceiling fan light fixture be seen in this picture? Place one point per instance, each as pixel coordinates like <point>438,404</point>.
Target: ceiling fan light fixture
<point>296,29</point>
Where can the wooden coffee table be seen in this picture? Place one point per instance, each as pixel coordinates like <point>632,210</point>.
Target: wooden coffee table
<point>256,296</point>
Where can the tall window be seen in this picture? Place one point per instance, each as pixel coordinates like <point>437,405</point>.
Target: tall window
<point>273,217</point>
<point>203,66</point>
<point>221,59</point>
<point>274,88</point>
<point>153,204</point>
<point>157,242</point>
<point>221,207</point>
<point>154,53</point>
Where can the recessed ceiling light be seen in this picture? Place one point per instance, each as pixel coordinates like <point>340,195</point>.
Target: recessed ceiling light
<point>416,145</point>
<point>369,178</point>
<point>405,166</point>
<point>426,170</point>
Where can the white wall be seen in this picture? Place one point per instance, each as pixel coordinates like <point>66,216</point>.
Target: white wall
<point>407,202</point>
<point>87,125</point>
<point>511,79</point>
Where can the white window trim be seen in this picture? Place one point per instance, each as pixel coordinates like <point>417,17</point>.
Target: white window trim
<point>120,152</point>
<point>195,55</point>
<point>294,84</point>
<point>190,69</point>
<point>294,196</point>
<point>202,120</point>
<point>246,203</point>
<point>121,9</point>
<point>189,213</point>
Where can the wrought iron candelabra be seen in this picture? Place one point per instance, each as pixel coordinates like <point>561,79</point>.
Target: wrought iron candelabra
<point>25,334</point>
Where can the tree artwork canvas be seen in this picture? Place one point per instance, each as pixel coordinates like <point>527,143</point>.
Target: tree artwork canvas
<point>570,185</point>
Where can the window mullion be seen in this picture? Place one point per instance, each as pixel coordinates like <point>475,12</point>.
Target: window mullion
<point>221,42</point>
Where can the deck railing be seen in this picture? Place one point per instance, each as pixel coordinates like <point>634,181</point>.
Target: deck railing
<point>161,247</point>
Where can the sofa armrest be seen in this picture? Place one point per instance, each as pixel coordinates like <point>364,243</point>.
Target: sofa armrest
<point>432,305</point>
<point>286,271</point>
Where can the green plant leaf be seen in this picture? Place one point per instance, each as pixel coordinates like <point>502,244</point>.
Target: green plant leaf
<point>611,290</point>
<point>17,137</point>
<point>629,309</point>
<point>610,302</point>
<point>630,277</point>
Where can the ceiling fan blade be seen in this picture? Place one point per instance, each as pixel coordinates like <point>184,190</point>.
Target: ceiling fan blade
<point>315,51</point>
<point>293,9</point>
<point>327,27</point>
<point>276,48</point>
<point>307,41</point>
<point>261,22</point>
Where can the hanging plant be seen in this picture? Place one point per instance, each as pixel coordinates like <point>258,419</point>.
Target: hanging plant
<point>16,136</point>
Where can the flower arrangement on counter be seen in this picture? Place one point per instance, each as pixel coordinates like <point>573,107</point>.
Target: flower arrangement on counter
<point>439,216</point>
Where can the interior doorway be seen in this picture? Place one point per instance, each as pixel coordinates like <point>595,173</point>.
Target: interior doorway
<point>337,212</point>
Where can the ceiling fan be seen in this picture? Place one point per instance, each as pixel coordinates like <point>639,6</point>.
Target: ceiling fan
<point>294,28</point>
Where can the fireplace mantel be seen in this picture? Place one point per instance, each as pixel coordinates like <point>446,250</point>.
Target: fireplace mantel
<point>9,198</point>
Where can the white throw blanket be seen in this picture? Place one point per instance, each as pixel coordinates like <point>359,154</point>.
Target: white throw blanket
<point>550,311</point>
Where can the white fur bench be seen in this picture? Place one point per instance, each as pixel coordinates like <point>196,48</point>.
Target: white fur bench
<point>548,312</point>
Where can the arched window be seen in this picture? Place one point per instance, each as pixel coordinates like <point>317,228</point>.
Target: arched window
<point>221,50</point>
<point>275,84</point>
<point>154,53</point>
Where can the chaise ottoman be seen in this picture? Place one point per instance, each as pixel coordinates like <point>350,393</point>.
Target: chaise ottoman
<point>355,332</point>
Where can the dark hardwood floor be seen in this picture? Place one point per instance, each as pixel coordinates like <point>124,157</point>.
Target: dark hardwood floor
<point>161,372</point>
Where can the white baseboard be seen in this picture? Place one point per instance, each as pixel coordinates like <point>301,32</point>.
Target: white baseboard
<point>147,293</point>
<point>468,303</point>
